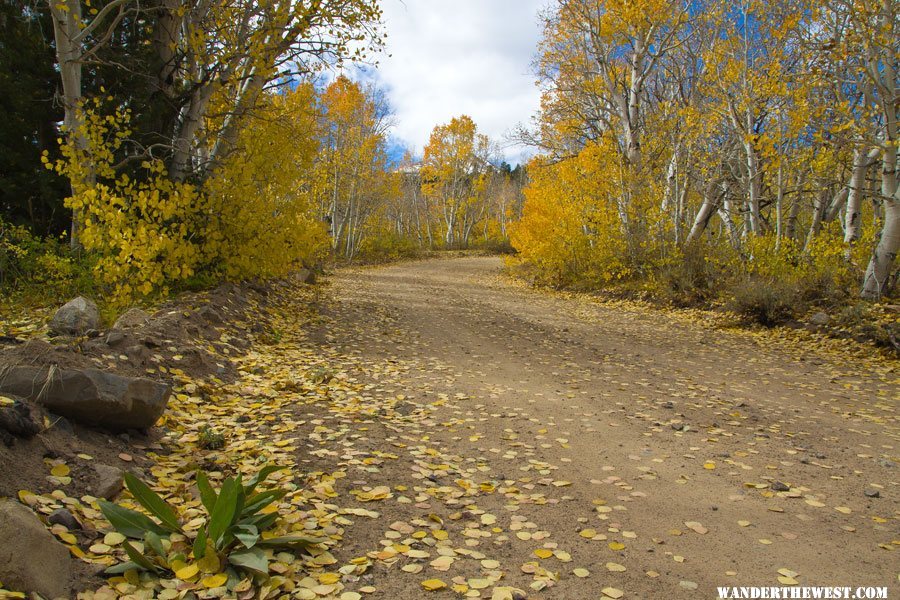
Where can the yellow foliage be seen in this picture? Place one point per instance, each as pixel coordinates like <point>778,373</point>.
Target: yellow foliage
<point>262,195</point>
<point>251,218</point>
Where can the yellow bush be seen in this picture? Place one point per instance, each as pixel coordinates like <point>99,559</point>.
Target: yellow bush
<point>252,218</point>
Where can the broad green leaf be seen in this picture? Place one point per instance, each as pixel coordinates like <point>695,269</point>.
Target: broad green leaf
<point>253,559</point>
<point>207,494</point>
<point>152,502</point>
<point>290,541</point>
<point>122,567</point>
<point>260,477</point>
<point>248,535</point>
<point>261,522</point>
<point>129,522</point>
<point>223,512</point>
<point>155,543</point>
<point>139,559</point>
<point>200,544</point>
<point>257,502</point>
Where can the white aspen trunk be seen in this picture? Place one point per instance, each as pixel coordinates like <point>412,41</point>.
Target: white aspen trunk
<point>707,210</point>
<point>671,182</point>
<point>67,20</point>
<point>816,224</point>
<point>754,188</point>
<point>881,65</point>
<point>880,269</point>
<point>838,202</point>
<point>725,213</point>
<point>679,210</point>
<point>779,208</point>
<point>852,216</point>
<point>190,121</point>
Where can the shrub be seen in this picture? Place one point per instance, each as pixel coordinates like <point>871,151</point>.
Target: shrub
<point>41,270</point>
<point>765,301</point>
<point>689,277</point>
<point>387,245</point>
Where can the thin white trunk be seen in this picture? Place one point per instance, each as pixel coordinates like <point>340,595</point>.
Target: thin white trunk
<point>880,269</point>
<point>855,192</point>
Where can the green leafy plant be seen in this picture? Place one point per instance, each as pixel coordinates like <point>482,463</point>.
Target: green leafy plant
<point>210,439</point>
<point>233,529</point>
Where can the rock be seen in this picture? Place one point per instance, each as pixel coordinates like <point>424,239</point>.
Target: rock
<point>872,493</point>
<point>61,423</point>
<point>61,516</point>
<point>405,408</point>
<point>210,315</point>
<point>820,319</point>
<point>18,420</point>
<point>131,318</point>
<point>90,396</point>
<point>109,481</point>
<point>75,317</point>
<point>115,338</point>
<point>778,486</point>
<point>31,560</point>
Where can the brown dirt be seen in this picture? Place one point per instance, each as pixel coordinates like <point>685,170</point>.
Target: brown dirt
<point>660,416</point>
<point>192,337</point>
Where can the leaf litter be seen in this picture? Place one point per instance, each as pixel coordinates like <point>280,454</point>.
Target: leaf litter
<point>372,475</point>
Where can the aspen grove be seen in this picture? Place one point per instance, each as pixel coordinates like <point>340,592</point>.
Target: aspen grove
<point>705,141</point>
<point>700,152</point>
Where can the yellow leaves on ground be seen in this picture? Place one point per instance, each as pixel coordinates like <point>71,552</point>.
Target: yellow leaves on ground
<point>187,572</point>
<point>379,493</point>
<point>696,527</point>
<point>214,581</point>
<point>60,470</point>
<point>433,584</point>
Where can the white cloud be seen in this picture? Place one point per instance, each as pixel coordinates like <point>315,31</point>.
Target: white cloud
<point>450,57</point>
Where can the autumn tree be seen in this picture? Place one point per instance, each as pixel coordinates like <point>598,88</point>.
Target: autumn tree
<point>353,162</point>
<point>455,162</point>
<point>747,134</point>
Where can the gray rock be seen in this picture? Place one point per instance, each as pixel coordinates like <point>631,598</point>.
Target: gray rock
<point>210,315</point>
<point>778,486</point>
<point>820,318</point>
<point>90,396</point>
<point>31,560</point>
<point>75,317</point>
<point>61,516</point>
<point>131,318</point>
<point>872,493</point>
<point>115,338</point>
<point>109,481</point>
<point>18,419</point>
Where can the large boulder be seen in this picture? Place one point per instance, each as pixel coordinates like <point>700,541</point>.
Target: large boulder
<point>31,560</point>
<point>132,318</point>
<point>75,317</point>
<point>90,396</point>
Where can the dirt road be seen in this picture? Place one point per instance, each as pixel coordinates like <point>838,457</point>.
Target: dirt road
<point>569,447</point>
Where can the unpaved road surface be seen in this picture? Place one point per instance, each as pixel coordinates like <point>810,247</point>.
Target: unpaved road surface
<point>611,447</point>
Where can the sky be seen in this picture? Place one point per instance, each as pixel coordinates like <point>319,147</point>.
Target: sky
<point>445,58</point>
